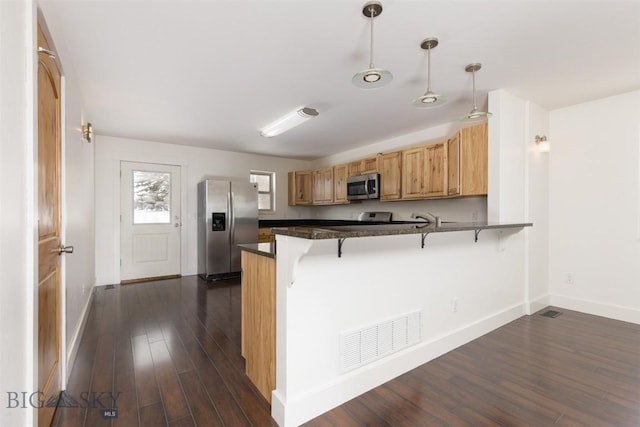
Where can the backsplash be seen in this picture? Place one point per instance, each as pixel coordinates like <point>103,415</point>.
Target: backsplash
<point>466,209</point>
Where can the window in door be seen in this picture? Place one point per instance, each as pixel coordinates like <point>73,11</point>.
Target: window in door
<point>266,190</point>
<point>151,197</point>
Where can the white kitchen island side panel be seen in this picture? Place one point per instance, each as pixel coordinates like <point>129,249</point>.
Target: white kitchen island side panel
<point>379,278</point>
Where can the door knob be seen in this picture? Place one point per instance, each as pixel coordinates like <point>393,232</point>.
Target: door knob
<point>64,249</point>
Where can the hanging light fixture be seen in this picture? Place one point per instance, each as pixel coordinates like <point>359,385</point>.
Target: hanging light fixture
<point>429,99</point>
<point>475,115</point>
<point>372,77</point>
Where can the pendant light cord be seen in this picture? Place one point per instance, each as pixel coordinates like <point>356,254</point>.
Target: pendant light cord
<point>371,12</point>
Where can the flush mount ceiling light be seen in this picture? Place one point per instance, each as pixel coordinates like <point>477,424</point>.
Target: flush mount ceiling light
<point>288,121</point>
<point>429,99</point>
<point>475,115</point>
<point>372,77</point>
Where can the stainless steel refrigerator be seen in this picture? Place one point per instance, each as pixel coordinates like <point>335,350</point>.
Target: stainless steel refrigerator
<point>227,216</point>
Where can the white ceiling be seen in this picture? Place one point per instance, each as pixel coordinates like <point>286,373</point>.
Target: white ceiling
<point>211,73</point>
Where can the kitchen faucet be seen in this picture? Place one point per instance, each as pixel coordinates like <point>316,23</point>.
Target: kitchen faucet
<point>429,217</point>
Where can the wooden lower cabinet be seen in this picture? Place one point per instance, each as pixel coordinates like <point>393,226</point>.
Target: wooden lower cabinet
<point>265,236</point>
<point>259,320</point>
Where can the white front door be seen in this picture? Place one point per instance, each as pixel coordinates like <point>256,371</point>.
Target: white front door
<point>150,221</point>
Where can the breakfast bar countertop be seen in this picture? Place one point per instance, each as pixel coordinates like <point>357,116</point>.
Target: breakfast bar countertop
<point>348,231</point>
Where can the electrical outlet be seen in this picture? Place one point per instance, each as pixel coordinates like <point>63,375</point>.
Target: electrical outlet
<point>474,216</point>
<point>569,279</point>
<point>454,305</point>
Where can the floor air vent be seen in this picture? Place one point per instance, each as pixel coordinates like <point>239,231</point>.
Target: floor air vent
<point>360,347</point>
<point>551,313</point>
<point>109,287</point>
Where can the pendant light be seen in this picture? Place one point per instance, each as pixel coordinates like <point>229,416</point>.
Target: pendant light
<point>474,115</point>
<point>372,77</point>
<point>429,99</point>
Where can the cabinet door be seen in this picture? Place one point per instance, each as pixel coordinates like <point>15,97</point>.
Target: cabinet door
<point>299,188</point>
<point>369,165</point>
<point>340,174</point>
<point>323,186</point>
<point>390,175</point>
<point>265,236</point>
<point>474,160</point>
<point>413,173</point>
<point>453,165</point>
<point>355,168</point>
<point>436,170</point>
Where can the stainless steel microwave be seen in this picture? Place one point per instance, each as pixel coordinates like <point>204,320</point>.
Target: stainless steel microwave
<point>363,187</point>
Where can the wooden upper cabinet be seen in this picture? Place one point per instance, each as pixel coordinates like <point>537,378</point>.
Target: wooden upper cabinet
<point>300,188</point>
<point>363,166</point>
<point>413,173</point>
<point>323,186</point>
<point>453,165</point>
<point>390,165</point>
<point>474,160</point>
<point>340,174</point>
<point>424,171</point>
<point>436,170</point>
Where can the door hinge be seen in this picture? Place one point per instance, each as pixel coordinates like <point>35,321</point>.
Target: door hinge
<point>120,262</point>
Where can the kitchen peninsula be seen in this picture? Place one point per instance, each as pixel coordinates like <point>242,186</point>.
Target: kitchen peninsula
<point>344,325</point>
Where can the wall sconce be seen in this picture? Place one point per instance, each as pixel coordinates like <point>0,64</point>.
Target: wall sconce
<point>87,132</point>
<point>542,143</point>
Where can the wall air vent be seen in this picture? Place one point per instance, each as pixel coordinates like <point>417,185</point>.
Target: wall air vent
<point>372,342</point>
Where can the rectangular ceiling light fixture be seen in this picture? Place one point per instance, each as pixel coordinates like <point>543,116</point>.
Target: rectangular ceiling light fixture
<point>288,121</point>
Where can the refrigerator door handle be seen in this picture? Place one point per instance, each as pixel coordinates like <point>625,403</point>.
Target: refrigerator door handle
<point>232,219</point>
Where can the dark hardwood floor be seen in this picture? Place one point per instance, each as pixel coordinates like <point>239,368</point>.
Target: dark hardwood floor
<point>167,353</point>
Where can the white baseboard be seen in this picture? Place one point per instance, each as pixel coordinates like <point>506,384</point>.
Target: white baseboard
<point>626,314</point>
<point>292,412</point>
<point>72,351</point>
<point>537,304</point>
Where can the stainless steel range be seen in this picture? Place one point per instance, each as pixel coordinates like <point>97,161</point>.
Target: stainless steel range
<point>375,217</point>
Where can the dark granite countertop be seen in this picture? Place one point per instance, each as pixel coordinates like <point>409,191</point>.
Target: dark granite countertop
<point>264,249</point>
<point>270,223</point>
<point>347,231</point>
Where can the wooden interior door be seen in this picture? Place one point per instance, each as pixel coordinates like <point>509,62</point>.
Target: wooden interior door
<point>48,357</point>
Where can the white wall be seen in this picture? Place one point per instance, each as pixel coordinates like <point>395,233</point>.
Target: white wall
<point>196,163</point>
<point>594,207</point>
<point>537,205</point>
<point>18,221</point>
<point>518,184</point>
